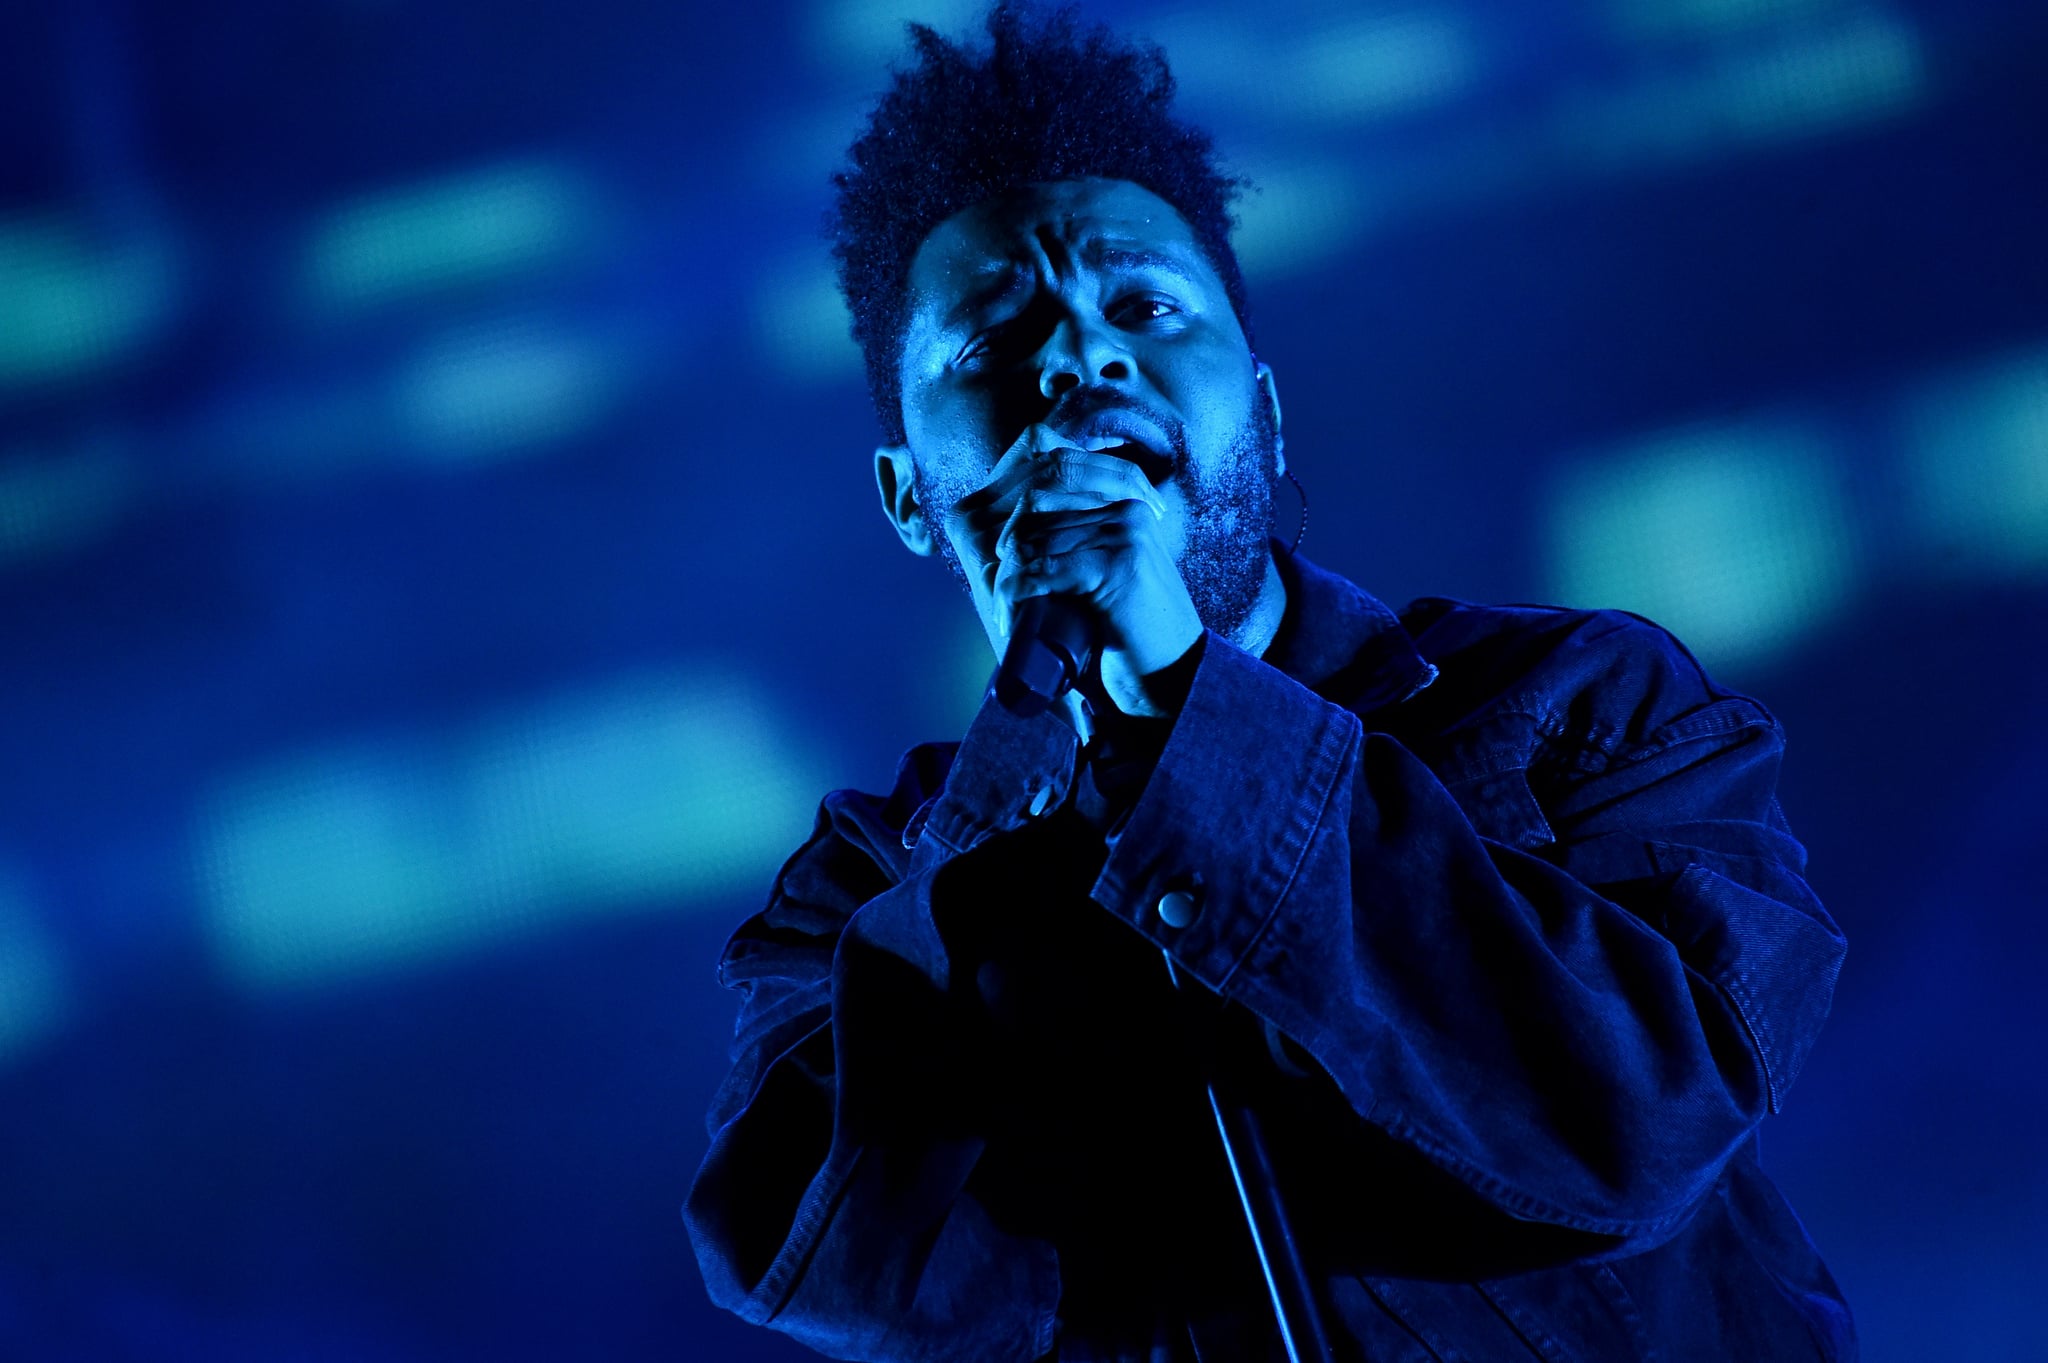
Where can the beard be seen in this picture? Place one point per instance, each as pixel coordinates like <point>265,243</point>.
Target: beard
<point>1223,561</point>
<point>1225,557</point>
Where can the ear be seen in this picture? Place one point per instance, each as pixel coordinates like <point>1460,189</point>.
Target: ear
<point>1270,395</point>
<point>895,479</point>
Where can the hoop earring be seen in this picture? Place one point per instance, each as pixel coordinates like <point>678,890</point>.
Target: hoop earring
<point>1302,492</point>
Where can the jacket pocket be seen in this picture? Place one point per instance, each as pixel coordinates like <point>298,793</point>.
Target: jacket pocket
<point>1414,1320</point>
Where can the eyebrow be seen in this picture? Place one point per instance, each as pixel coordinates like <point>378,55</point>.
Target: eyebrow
<point>1106,256</point>
<point>1096,253</point>
<point>1005,279</point>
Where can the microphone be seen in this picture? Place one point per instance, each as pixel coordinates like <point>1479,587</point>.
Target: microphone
<point>1051,641</point>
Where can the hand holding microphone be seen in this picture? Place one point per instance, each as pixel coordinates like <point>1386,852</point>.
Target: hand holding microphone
<point>1052,642</point>
<point>1077,556</point>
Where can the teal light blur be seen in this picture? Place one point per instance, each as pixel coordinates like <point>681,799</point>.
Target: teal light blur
<point>1979,466</point>
<point>490,391</point>
<point>647,794</point>
<point>74,301</point>
<point>35,997</point>
<point>52,501</point>
<point>441,573</point>
<point>475,225</point>
<point>1736,539</point>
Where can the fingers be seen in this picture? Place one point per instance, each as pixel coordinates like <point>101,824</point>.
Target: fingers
<point>1024,533</point>
<point>1063,487</point>
<point>1079,571</point>
<point>1036,539</point>
<point>1082,554</point>
<point>1083,473</point>
<point>1059,470</point>
<point>1054,519</point>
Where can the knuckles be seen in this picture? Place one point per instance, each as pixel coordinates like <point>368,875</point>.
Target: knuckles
<point>1064,520</point>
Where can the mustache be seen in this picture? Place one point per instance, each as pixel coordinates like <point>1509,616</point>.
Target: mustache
<point>1078,405</point>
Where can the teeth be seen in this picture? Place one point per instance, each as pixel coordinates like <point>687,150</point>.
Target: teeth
<point>1098,443</point>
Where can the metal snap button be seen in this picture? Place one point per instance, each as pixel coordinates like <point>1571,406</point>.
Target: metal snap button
<point>1177,908</point>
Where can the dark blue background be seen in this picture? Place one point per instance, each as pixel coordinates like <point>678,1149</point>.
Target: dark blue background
<point>439,571</point>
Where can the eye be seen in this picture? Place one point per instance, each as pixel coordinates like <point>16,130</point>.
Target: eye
<point>979,346</point>
<point>989,342</point>
<point>1141,308</point>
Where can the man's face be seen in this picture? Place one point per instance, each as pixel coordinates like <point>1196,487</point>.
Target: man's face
<point>1086,305</point>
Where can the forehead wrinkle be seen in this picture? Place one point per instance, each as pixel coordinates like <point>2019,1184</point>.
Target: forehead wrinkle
<point>1100,244</point>
<point>1048,250</point>
<point>1003,278</point>
<point>1104,254</point>
<point>1059,242</point>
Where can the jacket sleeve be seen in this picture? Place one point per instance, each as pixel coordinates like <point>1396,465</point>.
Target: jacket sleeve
<point>832,1204</point>
<point>1577,1012</point>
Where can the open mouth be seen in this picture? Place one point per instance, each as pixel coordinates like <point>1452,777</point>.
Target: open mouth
<point>1156,467</point>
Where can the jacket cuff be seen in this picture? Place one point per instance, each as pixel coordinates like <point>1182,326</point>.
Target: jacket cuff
<point>1007,771</point>
<point>1215,841</point>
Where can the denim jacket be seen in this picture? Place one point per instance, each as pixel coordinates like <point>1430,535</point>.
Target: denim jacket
<point>1491,910</point>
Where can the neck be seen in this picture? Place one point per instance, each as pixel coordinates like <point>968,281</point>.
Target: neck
<point>1255,635</point>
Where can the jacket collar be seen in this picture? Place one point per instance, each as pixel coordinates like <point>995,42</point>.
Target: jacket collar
<point>1341,641</point>
<point>1335,638</point>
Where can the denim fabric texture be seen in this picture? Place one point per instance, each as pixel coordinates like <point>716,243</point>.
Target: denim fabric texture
<point>1491,914</point>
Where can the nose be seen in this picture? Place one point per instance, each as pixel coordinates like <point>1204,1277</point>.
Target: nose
<point>1077,354</point>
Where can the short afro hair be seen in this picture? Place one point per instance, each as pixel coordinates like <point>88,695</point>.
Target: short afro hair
<point>1050,100</point>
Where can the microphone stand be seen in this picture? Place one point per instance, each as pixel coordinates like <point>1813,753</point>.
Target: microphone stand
<point>1050,647</point>
<point>1288,1285</point>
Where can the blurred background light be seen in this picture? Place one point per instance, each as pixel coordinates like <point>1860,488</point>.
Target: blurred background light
<point>1368,65</point>
<point>863,35</point>
<point>1314,66</point>
<point>468,227</point>
<point>1693,19</point>
<point>1298,214</point>
<point>35,998</point>
<point>1735,539</point>
<point>1867,67</point>
<point>54,500</point>
<point>73,301</point>
<point>952,688</point>
<point>801,323</point>
<point>1772,87</point>
<point>646,794</point>
<point>484,391</point>
<point>404,697</point>
<point>1978,465</point>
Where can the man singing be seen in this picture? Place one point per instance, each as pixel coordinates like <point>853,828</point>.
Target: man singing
<point>1487,916</point>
